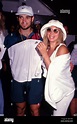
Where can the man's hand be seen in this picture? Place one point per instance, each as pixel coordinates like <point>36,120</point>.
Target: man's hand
<point>71,66</point>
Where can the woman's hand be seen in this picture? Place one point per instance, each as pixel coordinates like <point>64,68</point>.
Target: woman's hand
<point>42,49</point>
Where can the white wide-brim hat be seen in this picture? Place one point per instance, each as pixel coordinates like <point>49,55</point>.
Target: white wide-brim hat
<point>53,23</point>
<point>25,10</point>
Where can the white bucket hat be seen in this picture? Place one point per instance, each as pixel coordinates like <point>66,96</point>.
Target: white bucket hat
<point>25,10</point>
<point>53,23</point>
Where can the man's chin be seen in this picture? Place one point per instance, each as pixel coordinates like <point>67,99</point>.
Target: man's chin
<point>24,28</point>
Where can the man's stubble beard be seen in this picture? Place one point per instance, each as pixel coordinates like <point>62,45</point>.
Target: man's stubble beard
<point>30,26</point>
<point>25,28</point>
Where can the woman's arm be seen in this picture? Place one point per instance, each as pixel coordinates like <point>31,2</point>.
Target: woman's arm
<point>64,50</point>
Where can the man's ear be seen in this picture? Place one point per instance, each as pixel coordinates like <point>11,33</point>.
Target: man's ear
<point>17,17</point>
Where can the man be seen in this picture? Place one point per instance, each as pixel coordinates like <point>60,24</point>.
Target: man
<point>2,50</point>
<point>25,86</point>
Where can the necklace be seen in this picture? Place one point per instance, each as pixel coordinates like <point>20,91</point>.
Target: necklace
<point>21,36</point>
<point>24,34</point>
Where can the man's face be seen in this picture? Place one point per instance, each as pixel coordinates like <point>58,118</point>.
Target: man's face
<point>25,21</point>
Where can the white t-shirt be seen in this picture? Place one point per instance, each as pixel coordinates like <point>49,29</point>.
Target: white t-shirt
<point>25,61</point>
<point>2,48</point>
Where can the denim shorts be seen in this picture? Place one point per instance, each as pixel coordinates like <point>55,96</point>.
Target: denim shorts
<point>31,92</point>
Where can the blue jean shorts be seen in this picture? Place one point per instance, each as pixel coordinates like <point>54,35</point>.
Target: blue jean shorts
<point>31,92</point>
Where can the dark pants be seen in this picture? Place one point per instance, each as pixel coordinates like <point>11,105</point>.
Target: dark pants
<point>1,99</point>
<point>74,75</point>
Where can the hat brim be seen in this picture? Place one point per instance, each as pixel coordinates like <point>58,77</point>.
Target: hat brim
<point>24,13</point>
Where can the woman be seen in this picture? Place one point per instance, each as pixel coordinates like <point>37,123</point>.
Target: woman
<point>59,85</point>
<point>3,30</point>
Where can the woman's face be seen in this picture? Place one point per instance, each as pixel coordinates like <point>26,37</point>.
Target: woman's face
<point>53,33</point>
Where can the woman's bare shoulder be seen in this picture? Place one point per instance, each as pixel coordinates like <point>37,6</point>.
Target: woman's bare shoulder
<point>62,50</point>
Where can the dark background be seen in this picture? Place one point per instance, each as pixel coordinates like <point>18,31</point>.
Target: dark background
<point>67,19</point>
<point>55,6</point>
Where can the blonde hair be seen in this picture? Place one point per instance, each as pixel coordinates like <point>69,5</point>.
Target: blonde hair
<point>2,21</point>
